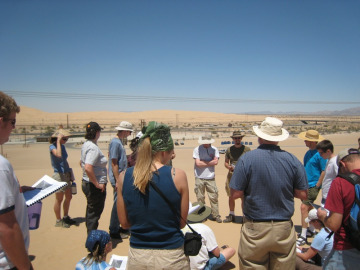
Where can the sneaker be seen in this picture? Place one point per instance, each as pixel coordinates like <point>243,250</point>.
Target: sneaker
<point>124,235</point>
<point>218,219</point>
<point>59,223</point>
<point>301,241</point>
<point>229,218</point>
<point>69,220</point>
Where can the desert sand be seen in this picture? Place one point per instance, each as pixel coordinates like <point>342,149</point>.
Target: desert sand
<point>61,248</point>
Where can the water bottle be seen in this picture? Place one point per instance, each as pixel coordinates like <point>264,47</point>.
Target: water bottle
<point>73,188</point>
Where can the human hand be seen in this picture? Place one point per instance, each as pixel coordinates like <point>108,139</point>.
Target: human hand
<point>101,187</point>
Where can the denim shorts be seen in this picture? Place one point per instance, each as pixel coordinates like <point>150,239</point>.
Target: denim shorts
<point>215,263</point>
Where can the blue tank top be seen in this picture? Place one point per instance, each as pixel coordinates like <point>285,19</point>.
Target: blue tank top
<point>153,224</point>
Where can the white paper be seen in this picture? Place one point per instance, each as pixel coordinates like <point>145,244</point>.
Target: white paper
<point>119,262</point>
<point>44,187</point>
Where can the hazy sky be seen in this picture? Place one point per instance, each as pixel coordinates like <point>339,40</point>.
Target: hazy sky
<point>222,56</point>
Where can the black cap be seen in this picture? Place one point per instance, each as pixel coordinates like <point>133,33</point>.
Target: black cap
<point>93,126</point>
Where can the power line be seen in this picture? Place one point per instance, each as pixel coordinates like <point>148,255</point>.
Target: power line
<point>63,95</point>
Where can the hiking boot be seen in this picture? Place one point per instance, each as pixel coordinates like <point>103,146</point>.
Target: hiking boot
<point>217,218</point>
<point>229,218</point>
<point>69,220</point>
<point>116,236</point>
<point>308,234</point>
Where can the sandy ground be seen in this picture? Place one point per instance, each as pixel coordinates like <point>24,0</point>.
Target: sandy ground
<point>60,248</point>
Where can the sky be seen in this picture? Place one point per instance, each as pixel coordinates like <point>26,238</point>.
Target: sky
<point>229,56</point>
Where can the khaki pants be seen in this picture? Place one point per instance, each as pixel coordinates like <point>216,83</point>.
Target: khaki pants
<point>142,259</point>
<point>210,186</point>
<point>267,245</point>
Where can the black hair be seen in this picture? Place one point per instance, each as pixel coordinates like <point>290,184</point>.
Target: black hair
<point>325,145</point>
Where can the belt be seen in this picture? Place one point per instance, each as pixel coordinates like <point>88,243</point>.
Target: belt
<point>266,220</point>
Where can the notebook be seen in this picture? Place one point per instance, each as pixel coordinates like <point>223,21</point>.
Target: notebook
<point>119,262</point>
<point>43,188</point>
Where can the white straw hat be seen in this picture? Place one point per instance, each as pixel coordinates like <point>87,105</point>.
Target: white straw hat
<point>271,130</point>
<point>311,216</point>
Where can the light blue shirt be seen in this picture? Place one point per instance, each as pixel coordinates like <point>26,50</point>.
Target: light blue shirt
<point>116,151</point>
<point>322,245</point>
<point>314,165</point>
<point>94,266</point>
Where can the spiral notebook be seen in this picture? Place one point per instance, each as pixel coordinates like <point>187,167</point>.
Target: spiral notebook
<point>43,188</point>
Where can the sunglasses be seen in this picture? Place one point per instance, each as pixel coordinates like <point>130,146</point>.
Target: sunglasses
<point>12,121</point>
<point>65,139</point>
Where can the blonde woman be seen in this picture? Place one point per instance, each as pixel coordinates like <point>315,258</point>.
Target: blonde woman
<point>156,241</point>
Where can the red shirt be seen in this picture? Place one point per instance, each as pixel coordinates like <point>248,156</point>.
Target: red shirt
<point>340,199</point>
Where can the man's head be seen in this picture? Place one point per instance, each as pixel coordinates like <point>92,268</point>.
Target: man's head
<point>8,111</point>
<point>311,138</point>
<point>124,129</point>
<point>237,137</point>
<point>271,131</point>
<point>348,159</point>
<point>206,140</point>
<point>325,149</point>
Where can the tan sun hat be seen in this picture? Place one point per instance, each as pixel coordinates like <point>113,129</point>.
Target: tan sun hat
<point>124,125</point>
<point>311,136</point>
<point>238,134</point>
<point>62,131</point>
<point>271,129</point>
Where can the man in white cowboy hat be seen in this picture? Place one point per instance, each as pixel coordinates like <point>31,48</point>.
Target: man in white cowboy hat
<point>232,154</point>
<point>206,158</point>
<point>339,202</point>
<point>210,256</point>
<point>117,164</point>
<point>315,172</point>
<point>267,179</point>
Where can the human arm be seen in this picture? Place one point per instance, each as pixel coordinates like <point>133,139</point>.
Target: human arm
<point>180,181</point>
<point>228,165</point>
<point>115,170</point>
<point>300,194</point>
<point>311,252</point>
<point>12,241</point>
<point>321,178</point>
<point>57,151</point>
<point>236,194</point>
<point>89,169</point>
<point>121,208</point>
<point>333,221</point>
<point>201,163</point>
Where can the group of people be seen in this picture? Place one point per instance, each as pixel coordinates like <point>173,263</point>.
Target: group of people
<point>266,179</point>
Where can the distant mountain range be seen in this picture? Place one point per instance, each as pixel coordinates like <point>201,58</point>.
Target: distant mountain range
<point>350,112</point>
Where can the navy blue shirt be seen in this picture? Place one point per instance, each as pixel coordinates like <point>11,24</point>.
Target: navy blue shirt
<point>153,224</point>
<point>268,177</point>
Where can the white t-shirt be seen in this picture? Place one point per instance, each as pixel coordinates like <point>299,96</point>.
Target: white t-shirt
<point>205,154</point>
<point>12,200</point>
<point>208,244</point>
<point>331,171</point>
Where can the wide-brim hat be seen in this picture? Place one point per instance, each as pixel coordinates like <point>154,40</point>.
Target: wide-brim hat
<point>62,131</point>
<point>206,139</point>
<point>97,237</point>
<point>271,129</point>
<point>311,136</point>
<point>124,125</point>
<point>238,134</point>
<point>199,214</point>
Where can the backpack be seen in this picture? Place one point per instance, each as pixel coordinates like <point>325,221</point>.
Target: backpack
<point>353,226</point>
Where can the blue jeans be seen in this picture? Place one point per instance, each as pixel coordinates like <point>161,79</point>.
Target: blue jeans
<point>215,263</point>
<point>114,220</point>
<point>342,259</point>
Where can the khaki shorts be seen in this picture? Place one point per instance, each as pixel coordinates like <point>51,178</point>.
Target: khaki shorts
<point>142,259</point>
<point>63,177</point>
<point>227,183</point>
<point>312,195</point>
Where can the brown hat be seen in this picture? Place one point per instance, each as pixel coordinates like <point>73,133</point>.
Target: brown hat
<point>311,135</point>
<point>238,134</point>
<point>64,132</point>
